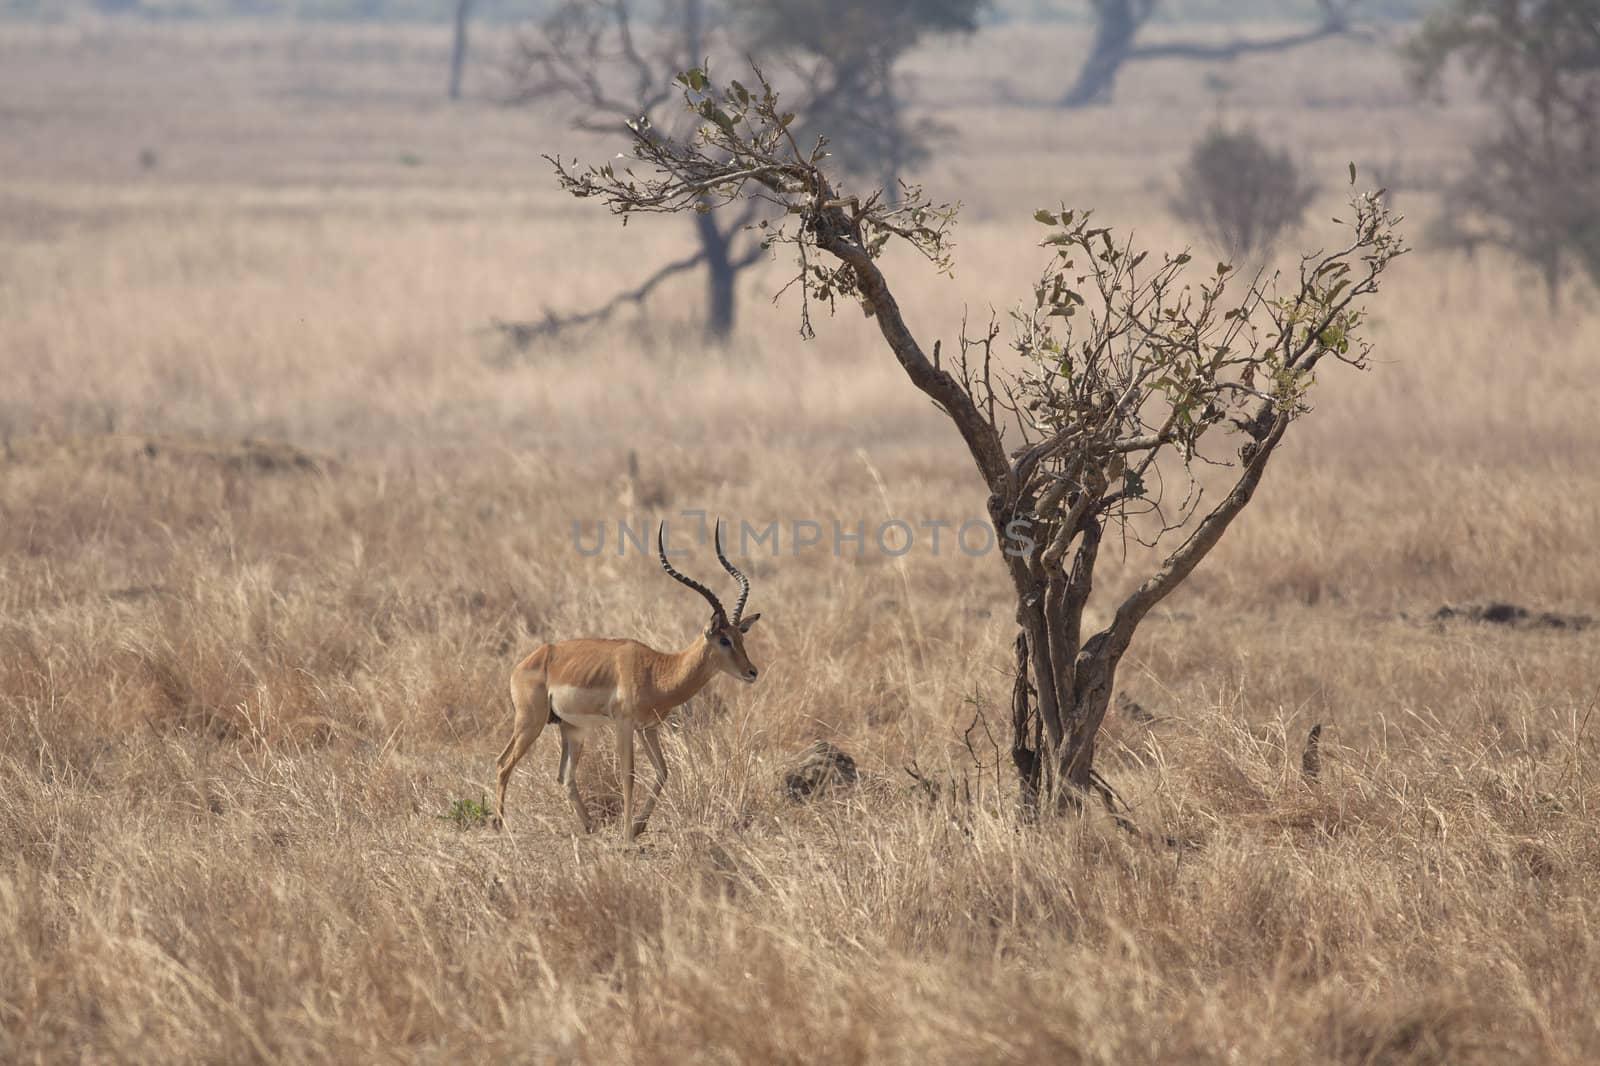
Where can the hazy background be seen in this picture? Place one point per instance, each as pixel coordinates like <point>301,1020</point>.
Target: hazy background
<point>280,507</point>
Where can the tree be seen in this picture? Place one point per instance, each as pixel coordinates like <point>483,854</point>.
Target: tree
<point>844,54</point>
<point>589,53</point>
<point>1117,24</point>
<point>1131,378</point>
<point>458,46</point>
<point>1240,191</point>
<point>1534,184</point>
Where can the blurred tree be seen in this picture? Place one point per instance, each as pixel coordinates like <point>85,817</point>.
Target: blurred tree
<point>1117,24</point>
<point>593,55</point>
<point>1130,376</point>
<point>1240,191</point>
<point>458,47</point>
<point>843,55</point>
<point>1534,185</point>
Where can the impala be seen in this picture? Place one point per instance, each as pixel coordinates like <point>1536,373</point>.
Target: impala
<point>592,683</point>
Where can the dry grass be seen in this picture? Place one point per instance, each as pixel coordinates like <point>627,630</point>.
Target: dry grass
<point>275,524</point>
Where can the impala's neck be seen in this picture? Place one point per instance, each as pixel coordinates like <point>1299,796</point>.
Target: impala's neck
<point>680,675</point>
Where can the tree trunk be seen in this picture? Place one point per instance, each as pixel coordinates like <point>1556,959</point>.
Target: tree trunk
<point>894,148</point>
<point>1027,736</point>
<point>720,277</point>
<point>458,47</point>
<point>719,297</point>
<point>1062,770</point>
<point>1550,267</point>
<point>694,17</point>
<point>1095,671</point>
<point>1113,39</point>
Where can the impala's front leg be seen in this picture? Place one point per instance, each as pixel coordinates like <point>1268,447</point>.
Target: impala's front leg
<point>650,737</point>
<point>625,770</point>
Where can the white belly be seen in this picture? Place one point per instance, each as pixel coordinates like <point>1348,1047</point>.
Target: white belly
<point>583,708</point>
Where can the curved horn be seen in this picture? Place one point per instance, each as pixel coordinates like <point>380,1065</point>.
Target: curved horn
<point>711,597</point>
<point>744,582</point>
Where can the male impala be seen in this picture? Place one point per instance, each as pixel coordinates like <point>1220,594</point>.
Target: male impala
<point>582,685</point>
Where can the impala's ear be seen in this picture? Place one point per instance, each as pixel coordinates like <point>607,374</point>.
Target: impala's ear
<point>746,623</point>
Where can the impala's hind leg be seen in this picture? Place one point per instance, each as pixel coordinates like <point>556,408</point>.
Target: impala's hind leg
<point>531,702</point>
<point>571,752</point>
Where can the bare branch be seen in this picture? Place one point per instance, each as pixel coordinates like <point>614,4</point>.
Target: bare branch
<point>523,335</point>
<point>1234,49</point>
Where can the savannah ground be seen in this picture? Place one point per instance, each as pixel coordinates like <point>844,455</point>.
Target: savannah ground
<point>278,513</point>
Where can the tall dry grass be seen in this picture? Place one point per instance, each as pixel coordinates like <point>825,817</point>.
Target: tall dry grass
<point>277,515</point>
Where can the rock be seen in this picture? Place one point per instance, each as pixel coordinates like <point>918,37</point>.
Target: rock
<point>1132,709</point>
<point>819,768</point>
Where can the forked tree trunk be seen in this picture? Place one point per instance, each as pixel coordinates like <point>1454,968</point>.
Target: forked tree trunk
<point>1064,680</point>
<point>1053,735</point>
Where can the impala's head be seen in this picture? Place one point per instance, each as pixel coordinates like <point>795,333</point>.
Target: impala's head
<point>724,635</point>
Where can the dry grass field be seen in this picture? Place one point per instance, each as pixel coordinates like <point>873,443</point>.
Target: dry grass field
<point>279,512</point>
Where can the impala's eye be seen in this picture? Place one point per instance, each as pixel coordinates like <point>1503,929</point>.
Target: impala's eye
<point>725,642</point>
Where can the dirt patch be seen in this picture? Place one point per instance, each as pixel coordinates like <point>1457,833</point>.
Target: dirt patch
<point>1512,616</point>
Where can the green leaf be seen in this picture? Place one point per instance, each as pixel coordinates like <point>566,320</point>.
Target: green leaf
<point>1352,172</point>
<point>1046,217</point>
<point>711,111</point>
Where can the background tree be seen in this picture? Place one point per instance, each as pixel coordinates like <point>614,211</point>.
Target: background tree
<point>595,56</point>
<point>1129,378</point>
<point>592,55</point>
<point>1117,24</point>
<point>1241,192</point>
<point>1533,187</point>
<point>458,46</point>
<point>843,55</point>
